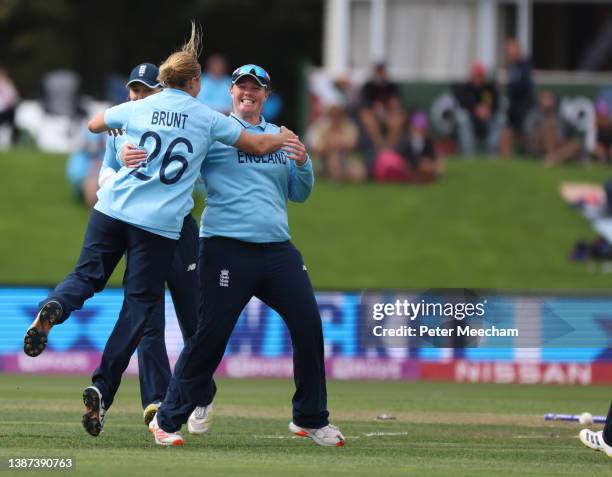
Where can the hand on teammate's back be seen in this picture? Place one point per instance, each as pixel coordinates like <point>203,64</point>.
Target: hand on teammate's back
<point>132,157</point>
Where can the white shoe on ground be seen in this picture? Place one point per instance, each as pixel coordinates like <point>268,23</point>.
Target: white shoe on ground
<point>164,438</point>
<point>153,426</point>
<point>325,436</point>
<point>200,420</point>
<point>594,440</point>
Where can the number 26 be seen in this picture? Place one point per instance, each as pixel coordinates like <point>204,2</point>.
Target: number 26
<point>167,160</point>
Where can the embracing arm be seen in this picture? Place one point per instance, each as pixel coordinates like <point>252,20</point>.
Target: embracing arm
<point>97,124</point>
<point>301,176</point>
<point>113,118</point>
<point>263,143</point>
<point>301,181</point>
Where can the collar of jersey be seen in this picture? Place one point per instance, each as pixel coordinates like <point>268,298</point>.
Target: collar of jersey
<point>245,124</point>
<point>176,91</point>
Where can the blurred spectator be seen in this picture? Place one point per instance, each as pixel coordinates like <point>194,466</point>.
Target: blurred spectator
<point>381,112</point>
<point>333,137</point>
<point>603,149</point>
<point>216,84</point>
<point>520,95</point>
<point>548,135</point>
<point>326,91</point>
<point>479,118</point>
<point>8,103</point>
<point>413,159</point>
<point>84,164</point>
<point>416,147</point>
<point>347,90</point>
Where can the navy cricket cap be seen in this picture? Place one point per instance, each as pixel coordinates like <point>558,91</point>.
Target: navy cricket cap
<point>145,73</point>
<point>254,71</point>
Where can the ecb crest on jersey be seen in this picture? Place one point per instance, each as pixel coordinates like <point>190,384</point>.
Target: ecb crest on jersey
<point>224,278</point>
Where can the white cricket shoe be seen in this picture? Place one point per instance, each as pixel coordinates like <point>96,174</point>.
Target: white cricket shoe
<point>164,438</point>
<point>93,419</point>
<point>150,411</point>
<point>325,436</point>
<point>200,420</point>
<point>594,440</point>
<point>153,425</point>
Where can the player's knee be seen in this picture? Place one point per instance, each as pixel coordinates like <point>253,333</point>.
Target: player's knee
<point>308,326</point>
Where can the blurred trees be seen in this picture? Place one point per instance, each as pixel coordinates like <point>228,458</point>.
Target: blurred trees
<point>98,38</point>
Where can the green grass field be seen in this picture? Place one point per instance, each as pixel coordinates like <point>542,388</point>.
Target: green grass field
<point>487,224</point>
<point>440,430</point>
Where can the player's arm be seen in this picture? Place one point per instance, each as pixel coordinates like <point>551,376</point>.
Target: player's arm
<point>260,144</point>
<point>113,118</point>
<point>97,124</point>
<point>228,132</point>
<point>301,176</point>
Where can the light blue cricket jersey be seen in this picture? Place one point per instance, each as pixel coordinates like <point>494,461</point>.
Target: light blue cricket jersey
<point>177,131</point>
<point>111,159</point>
<point>247,194</point>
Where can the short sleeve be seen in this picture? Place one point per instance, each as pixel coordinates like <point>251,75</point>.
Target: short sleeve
<point>224,129</point>
<point>117,116</point>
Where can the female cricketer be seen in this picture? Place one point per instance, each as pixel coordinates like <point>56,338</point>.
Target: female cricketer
<point>142,211</point>
<point>153,365</point>
<point>245,251</point>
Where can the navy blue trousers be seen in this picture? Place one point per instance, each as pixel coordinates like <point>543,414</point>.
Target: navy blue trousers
<point>153,365</point>
<point>148,261</point>
<point>231,273</point>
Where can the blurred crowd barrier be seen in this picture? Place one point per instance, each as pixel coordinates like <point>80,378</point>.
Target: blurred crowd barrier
<point>52,132</point>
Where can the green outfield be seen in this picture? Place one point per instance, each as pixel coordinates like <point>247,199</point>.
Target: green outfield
<point>439,430</point>
<point>487,223</point>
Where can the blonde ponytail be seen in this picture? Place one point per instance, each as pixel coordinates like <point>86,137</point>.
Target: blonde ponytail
<point>184,64</point>
<point>194,44</point>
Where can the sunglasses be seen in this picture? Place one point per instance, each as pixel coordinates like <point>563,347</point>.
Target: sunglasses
<point>257,72</point>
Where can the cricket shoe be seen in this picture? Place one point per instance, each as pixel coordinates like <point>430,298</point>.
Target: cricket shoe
<point>325,436</point>
<point>153,425</point>
<point>150,411</point>
<point>594,440</point>
<point>35,340</point>
<point>93,419</point>
<point>200,420</point>
<point>164,438</point>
